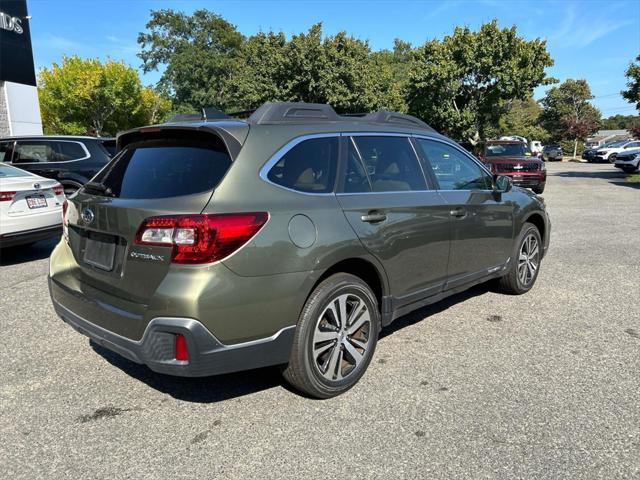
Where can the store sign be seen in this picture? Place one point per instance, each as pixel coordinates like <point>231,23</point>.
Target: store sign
<point>12,24</point>
<point>16,54</point>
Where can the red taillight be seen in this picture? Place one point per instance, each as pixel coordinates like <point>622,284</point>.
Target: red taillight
<point>182,353</point>
<point>58,189</point>
<point>6,196</point>
<point>202,238</point>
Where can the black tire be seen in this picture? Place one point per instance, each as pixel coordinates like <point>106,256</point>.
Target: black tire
<point>511,282</point>
<point>304,371</point>
<point>612,158</point>
<point>538,190</point>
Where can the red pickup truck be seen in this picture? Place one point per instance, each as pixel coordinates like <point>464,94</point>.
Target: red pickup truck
<point>513,159</point>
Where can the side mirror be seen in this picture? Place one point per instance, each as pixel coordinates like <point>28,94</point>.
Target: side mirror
<point>502,184</point>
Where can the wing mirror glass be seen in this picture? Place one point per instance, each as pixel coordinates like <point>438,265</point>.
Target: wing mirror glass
<point>502,184</point>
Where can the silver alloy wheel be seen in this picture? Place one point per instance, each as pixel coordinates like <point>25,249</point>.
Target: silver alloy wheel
<point>342,336</point>
<point>528,259</point>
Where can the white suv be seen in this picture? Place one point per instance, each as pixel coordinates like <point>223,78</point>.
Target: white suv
<point>611,152</point>
<point>629,160</point>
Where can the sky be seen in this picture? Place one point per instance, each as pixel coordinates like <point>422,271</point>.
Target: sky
<point>589,39</point>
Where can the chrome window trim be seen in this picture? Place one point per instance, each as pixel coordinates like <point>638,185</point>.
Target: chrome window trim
<point>87,154</point>
<point>275,158</point>
<point>282,151</point>
<point>482,166</point>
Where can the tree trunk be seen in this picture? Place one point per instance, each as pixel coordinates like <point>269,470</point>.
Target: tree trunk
<point>575,148</point>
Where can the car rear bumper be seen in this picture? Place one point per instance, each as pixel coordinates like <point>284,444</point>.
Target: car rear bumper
<point>29,236</point>
<point>207,355</point>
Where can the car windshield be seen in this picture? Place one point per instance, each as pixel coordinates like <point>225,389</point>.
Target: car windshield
<point>617,144</point>
<point>505,150</point>
<point>9,171</point>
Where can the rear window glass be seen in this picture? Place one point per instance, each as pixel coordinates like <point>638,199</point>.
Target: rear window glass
<point>165,168</point>
<point>69,151</point>
<point>8,171</point>
<point>309,167</point>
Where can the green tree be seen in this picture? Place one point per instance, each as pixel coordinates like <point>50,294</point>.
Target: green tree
<point>632,93</point>
<point>196,52</point>
<point>81,95</point>
<point>337,69</point>
<point>567,113</point>
<point>462,84</point>
<point>616,122</point>
<point>522,117</point>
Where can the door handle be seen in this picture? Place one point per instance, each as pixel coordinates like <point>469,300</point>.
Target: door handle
<point>458,212</point>
<point>373,217</point>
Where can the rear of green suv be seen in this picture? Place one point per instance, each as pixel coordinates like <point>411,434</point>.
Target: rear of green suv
<point>291,238</point>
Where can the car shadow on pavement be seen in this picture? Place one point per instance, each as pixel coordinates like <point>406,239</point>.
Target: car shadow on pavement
<point>615,174</point>
<point>200,389</point>
<point>27,253</point>
<point>424,312</point>
<point>225,387</point>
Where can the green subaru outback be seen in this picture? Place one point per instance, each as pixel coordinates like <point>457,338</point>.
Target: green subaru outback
<point>210,245</point>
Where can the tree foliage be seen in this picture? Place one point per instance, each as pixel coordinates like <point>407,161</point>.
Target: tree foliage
<point>462,84</point>
<point>567,113</point>
<point>522,117</point>
<point>197,53</point>
<point>82,95</point>
<point>632,93</point>
<point>616,122</point>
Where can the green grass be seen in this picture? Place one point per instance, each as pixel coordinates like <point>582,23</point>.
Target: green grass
<point>635,178</point>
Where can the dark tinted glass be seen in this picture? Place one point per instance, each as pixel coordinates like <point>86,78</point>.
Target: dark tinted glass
<point>309,167</point>
<point>109,146</point>
<point>391,164</point>
<point>356,179</point>
<point>453,169</point>
<point>506,150</point>
<point>5,151</point>
<point>68,151</point>
<point>167,168</point>
<point>33,151</point>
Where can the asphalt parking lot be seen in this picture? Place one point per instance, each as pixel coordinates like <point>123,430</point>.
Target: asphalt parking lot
<point>545,385</point>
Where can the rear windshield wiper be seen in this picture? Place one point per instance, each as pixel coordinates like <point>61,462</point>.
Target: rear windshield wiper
<point>99,187</point>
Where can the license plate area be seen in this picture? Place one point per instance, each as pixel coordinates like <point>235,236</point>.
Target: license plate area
<point>36,201</point>
<point>100,250</point>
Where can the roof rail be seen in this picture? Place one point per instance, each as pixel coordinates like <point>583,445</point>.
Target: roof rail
<point>302,112</point>
<point>298,112</point>
<point>384,116</point>
<point>293,112</point>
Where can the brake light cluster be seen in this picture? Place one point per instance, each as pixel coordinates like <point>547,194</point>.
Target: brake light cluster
<point>58,189</point>
<point>6,196</point>
<point>202,238</point>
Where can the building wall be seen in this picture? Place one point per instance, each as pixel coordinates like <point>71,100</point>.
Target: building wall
<point>4,113</point>
<point>23,109</point>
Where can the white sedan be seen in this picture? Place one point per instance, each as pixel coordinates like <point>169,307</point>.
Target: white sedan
<point>30,207</point>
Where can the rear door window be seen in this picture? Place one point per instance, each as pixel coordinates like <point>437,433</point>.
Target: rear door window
<point>309,166</point>
<point>166,168</point>
<point>390,163</point>
<point>33,151</point>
